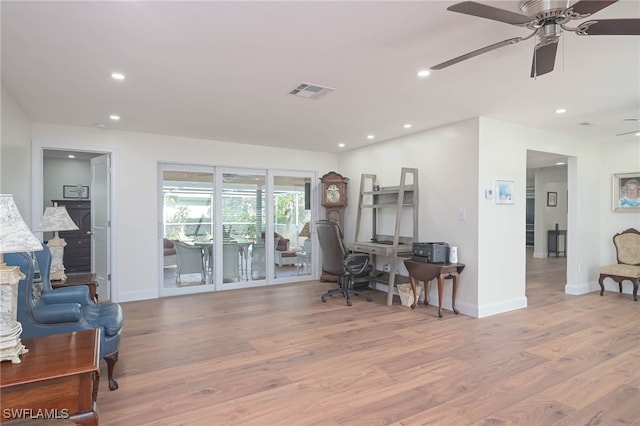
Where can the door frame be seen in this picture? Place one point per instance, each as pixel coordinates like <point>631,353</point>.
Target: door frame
<point>37,194</point>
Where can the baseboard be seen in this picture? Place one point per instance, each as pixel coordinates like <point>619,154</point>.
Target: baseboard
<point>627,287</point>
<point>501,307</point>
<point>133,296</point>
<point>581,288</point>
<point>539,255</point>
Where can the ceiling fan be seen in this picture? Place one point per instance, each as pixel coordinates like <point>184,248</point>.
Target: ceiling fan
<point>547,19</point>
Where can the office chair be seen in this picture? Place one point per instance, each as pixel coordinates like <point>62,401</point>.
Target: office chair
<point>337,261</point>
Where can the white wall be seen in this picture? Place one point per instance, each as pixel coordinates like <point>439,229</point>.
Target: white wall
<point>447,163</point>
<point>623,158</point>
<point>60,172</point>
<point>15,155</point>
<point>135,204</point>
<point>549,179</point>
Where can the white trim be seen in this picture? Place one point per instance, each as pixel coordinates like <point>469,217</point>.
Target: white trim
<point>133,296</point>
<point>609,285</point>
<point>501,307</point>
<point>580,288</point>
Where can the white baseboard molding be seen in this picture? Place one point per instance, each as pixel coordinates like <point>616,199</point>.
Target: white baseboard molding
<point>581,288</point>
<point>627,287</point>
<point>133,296</point>
<point>502,307</point>
<point>539,255</point>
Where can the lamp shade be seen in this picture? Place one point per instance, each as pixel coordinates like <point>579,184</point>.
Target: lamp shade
<point>306,232</point>
<point>15,235</point>
<point>56,218</point>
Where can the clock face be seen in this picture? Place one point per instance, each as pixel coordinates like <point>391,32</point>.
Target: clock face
<point>333,193</point>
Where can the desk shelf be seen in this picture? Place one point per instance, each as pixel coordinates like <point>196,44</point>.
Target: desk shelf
<point>385,213</point>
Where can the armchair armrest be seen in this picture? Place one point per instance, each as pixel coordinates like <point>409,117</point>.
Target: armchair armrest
<point>356,263</point>
<point>55,314</point>
<point>76,294</point>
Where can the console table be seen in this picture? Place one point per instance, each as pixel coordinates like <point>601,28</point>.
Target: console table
<point>81,278</point>
<point>58,378</point>
<point>420,271</point>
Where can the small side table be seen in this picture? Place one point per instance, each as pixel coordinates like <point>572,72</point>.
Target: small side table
<point>81,278</point>
<point>419,271</point>
<point>58,376</point>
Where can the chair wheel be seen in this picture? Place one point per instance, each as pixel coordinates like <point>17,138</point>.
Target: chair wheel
<point>324,298</point>
<point>348,302</point>
<point>369,299</point>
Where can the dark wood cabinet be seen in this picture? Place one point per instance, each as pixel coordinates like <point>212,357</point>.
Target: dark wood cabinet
<point>77,253</point>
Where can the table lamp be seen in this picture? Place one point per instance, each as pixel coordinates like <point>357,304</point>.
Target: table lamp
<point>56,219</point>
<point>306,231</point>
<point>15,236</point>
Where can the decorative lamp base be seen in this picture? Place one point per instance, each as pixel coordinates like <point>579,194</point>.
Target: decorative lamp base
<point>56,245</point>
<point>10,345</point>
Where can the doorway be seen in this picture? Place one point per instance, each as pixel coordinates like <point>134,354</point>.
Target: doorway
<point>56,172</point>
<point>547,198</point>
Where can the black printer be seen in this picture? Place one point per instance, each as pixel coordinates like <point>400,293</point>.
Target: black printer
<point>437,252</point>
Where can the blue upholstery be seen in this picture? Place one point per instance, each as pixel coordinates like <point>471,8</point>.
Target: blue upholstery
<point>64,310</point>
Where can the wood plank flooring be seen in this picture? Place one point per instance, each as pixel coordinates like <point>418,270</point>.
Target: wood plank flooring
<point>279,356</point>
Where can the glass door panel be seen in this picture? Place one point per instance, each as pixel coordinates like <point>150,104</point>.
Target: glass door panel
<point>243,227</point>
<point>187,228</point>
<point>292,225</point>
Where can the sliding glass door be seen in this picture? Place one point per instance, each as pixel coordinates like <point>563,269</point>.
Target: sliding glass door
<point>225,228</point>
<point>292,225</point>
<point>187,228</point>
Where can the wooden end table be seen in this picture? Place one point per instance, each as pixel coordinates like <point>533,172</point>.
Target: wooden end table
<point>420,271</point>
<point>80,278</point>
<point>57,379</point>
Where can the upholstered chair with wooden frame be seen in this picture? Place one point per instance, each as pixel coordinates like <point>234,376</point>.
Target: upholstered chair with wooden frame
<point>44,311</point>
<point>627,246</point>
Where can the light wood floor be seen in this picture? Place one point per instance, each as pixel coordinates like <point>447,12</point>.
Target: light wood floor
<point>279,356</point>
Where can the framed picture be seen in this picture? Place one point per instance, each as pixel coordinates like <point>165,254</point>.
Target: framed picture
<point>552,199</point>
<point>75,191</point>
<point>504,192</point>
<point>626,192</point>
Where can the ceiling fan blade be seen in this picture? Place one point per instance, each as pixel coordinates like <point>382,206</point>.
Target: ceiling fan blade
<point>610,27</point>
<point>589,7</point>
<point>476,53</point>
<point>544,59</point>
<point>628,133</point>
<point>489,12</point>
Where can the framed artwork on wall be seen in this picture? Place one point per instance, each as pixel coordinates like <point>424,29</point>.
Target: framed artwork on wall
<point>75,192</point>
<point>626,192</point>
<point>552,199</point>
<point>504,192</point>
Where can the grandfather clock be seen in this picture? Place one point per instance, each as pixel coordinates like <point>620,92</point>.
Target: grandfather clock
<point>334,197</point>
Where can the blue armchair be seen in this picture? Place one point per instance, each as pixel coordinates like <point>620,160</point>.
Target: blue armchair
<point>46,311</point>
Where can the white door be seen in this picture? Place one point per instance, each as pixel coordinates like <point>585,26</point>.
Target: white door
<point>100,224</point>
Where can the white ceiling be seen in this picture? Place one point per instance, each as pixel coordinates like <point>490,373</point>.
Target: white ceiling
<point>223,70</point>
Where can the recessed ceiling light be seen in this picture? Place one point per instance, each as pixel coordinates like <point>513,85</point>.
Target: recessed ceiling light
<point>638,134</point>
<point>561,111</point>
<point>71,156</point>
<point>560,163</point>
<point>117,76</point>
<point>424,73</point>
<point>114,117</point>
<point>341,145</point>
<point>370,136</point>
<point>407,126</point>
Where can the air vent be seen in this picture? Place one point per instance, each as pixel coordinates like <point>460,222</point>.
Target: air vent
<point>311,91</point>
